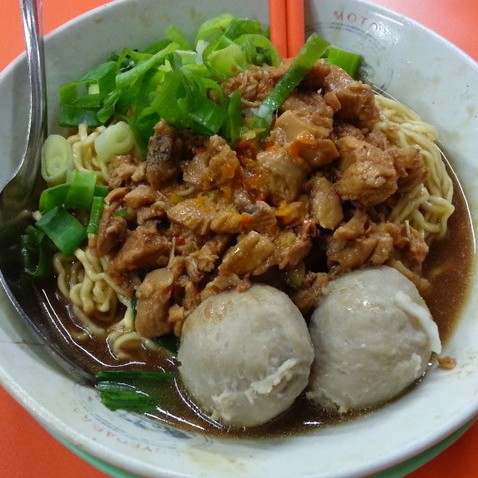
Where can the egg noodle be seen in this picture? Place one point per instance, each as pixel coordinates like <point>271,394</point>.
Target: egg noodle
<point>104,310</point>
<point>428,206</point>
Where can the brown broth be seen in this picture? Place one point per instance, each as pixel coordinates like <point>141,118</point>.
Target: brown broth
<point>448,268</point>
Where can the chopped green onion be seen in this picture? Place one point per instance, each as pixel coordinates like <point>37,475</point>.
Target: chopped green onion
<point>57,195</point>
<point>143,125</point>
<point>225,62</point>
<point>346,60</point>
<point>36,253</point>
<point>52,197</point>
<point>176,36</point>
<point>97,205</point>
<point>183,58</point>
<point>82,188</point>
<point>182,105</point>
<point>117,138</point>
<point>101,190</point>
<point>313,49</point>
<point>124,397</point>
<point>128,77</point>
<point>79,100</point>
<point>108,108</point>
<point>213,27</point>
<point>55,159</point>
<point>64,230</point>
<point>231,129</point>
<point>73,115</point>
<point>243,26</point>
<point>157,46</point>
<point>258,49</point>
<point>139,86</point>
<point>137,391</point>
<point>206,117</point>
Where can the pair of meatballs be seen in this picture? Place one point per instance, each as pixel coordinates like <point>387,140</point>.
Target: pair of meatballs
<point>246,356</point>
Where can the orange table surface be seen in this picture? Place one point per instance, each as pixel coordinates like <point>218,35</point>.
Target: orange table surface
<point>26,449</point>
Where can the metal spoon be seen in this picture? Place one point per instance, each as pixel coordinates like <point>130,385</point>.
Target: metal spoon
<point>18,198</point>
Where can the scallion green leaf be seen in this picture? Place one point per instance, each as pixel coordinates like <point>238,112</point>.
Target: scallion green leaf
<point>101,190</point>
<point>258,49</point>
<point>176,36</point>
<point>81,190</point>
<point>231,129</point>
<point>56,159</point>
<point>313,49</point>
<point>225,61</point>
<point>346,60</point>
<point>79,100</point>
<point>137,391</point>
<point>97,205</point>
<point>242,26</point>
<point>64,230</point>
<point>181,103</point>
<point>128,77</point>
<point>52,197</point>
<point>36,253</point>
<point>213,27</point>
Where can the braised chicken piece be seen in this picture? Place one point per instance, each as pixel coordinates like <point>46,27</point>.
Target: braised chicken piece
<point>161,165</point>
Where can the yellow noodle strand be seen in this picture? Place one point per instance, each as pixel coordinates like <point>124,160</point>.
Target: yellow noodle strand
<point>428,206</point>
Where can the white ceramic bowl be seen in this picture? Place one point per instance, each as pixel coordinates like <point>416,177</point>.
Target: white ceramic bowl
<point>408,61</point>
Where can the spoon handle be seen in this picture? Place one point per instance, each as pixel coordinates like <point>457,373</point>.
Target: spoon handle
<point>31,17</point>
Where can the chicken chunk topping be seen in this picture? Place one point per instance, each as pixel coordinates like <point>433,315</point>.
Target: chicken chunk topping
<point>294,209</point>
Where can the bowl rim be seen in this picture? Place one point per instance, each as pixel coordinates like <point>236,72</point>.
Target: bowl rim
<point>50,422</point>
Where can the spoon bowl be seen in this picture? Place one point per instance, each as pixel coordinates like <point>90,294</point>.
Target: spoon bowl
<point>19,198</point>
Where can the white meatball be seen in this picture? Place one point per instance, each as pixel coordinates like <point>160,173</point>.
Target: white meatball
<point>245,356</point>
<point>373,337</point>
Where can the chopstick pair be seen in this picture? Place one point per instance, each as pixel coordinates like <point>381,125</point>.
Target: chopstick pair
<point>287,22</point>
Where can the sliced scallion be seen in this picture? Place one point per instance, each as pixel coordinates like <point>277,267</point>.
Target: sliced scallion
<point>36,253</point>
<point>101,190</point>
<point>128,77</point>
<point>231,129</point>
<point>346,60</point>
<point>82,188</point>
<point>313,49</point>
<point>176,36</point>
<point>80,99</point>
<point>137,391</point>
<point>97,205</point>
<point>139,87</point>
<point>52,197</point>
<point>243,26</point>
<point>55,159</point>
<point>214,27</point>
<point>182,105</point>
<point>258,49</point>
<point>64,230</point>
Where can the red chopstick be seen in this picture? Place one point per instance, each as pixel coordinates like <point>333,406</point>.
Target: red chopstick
<point>295,26</point>
<point>287,22</point>
<point>278,25</point>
